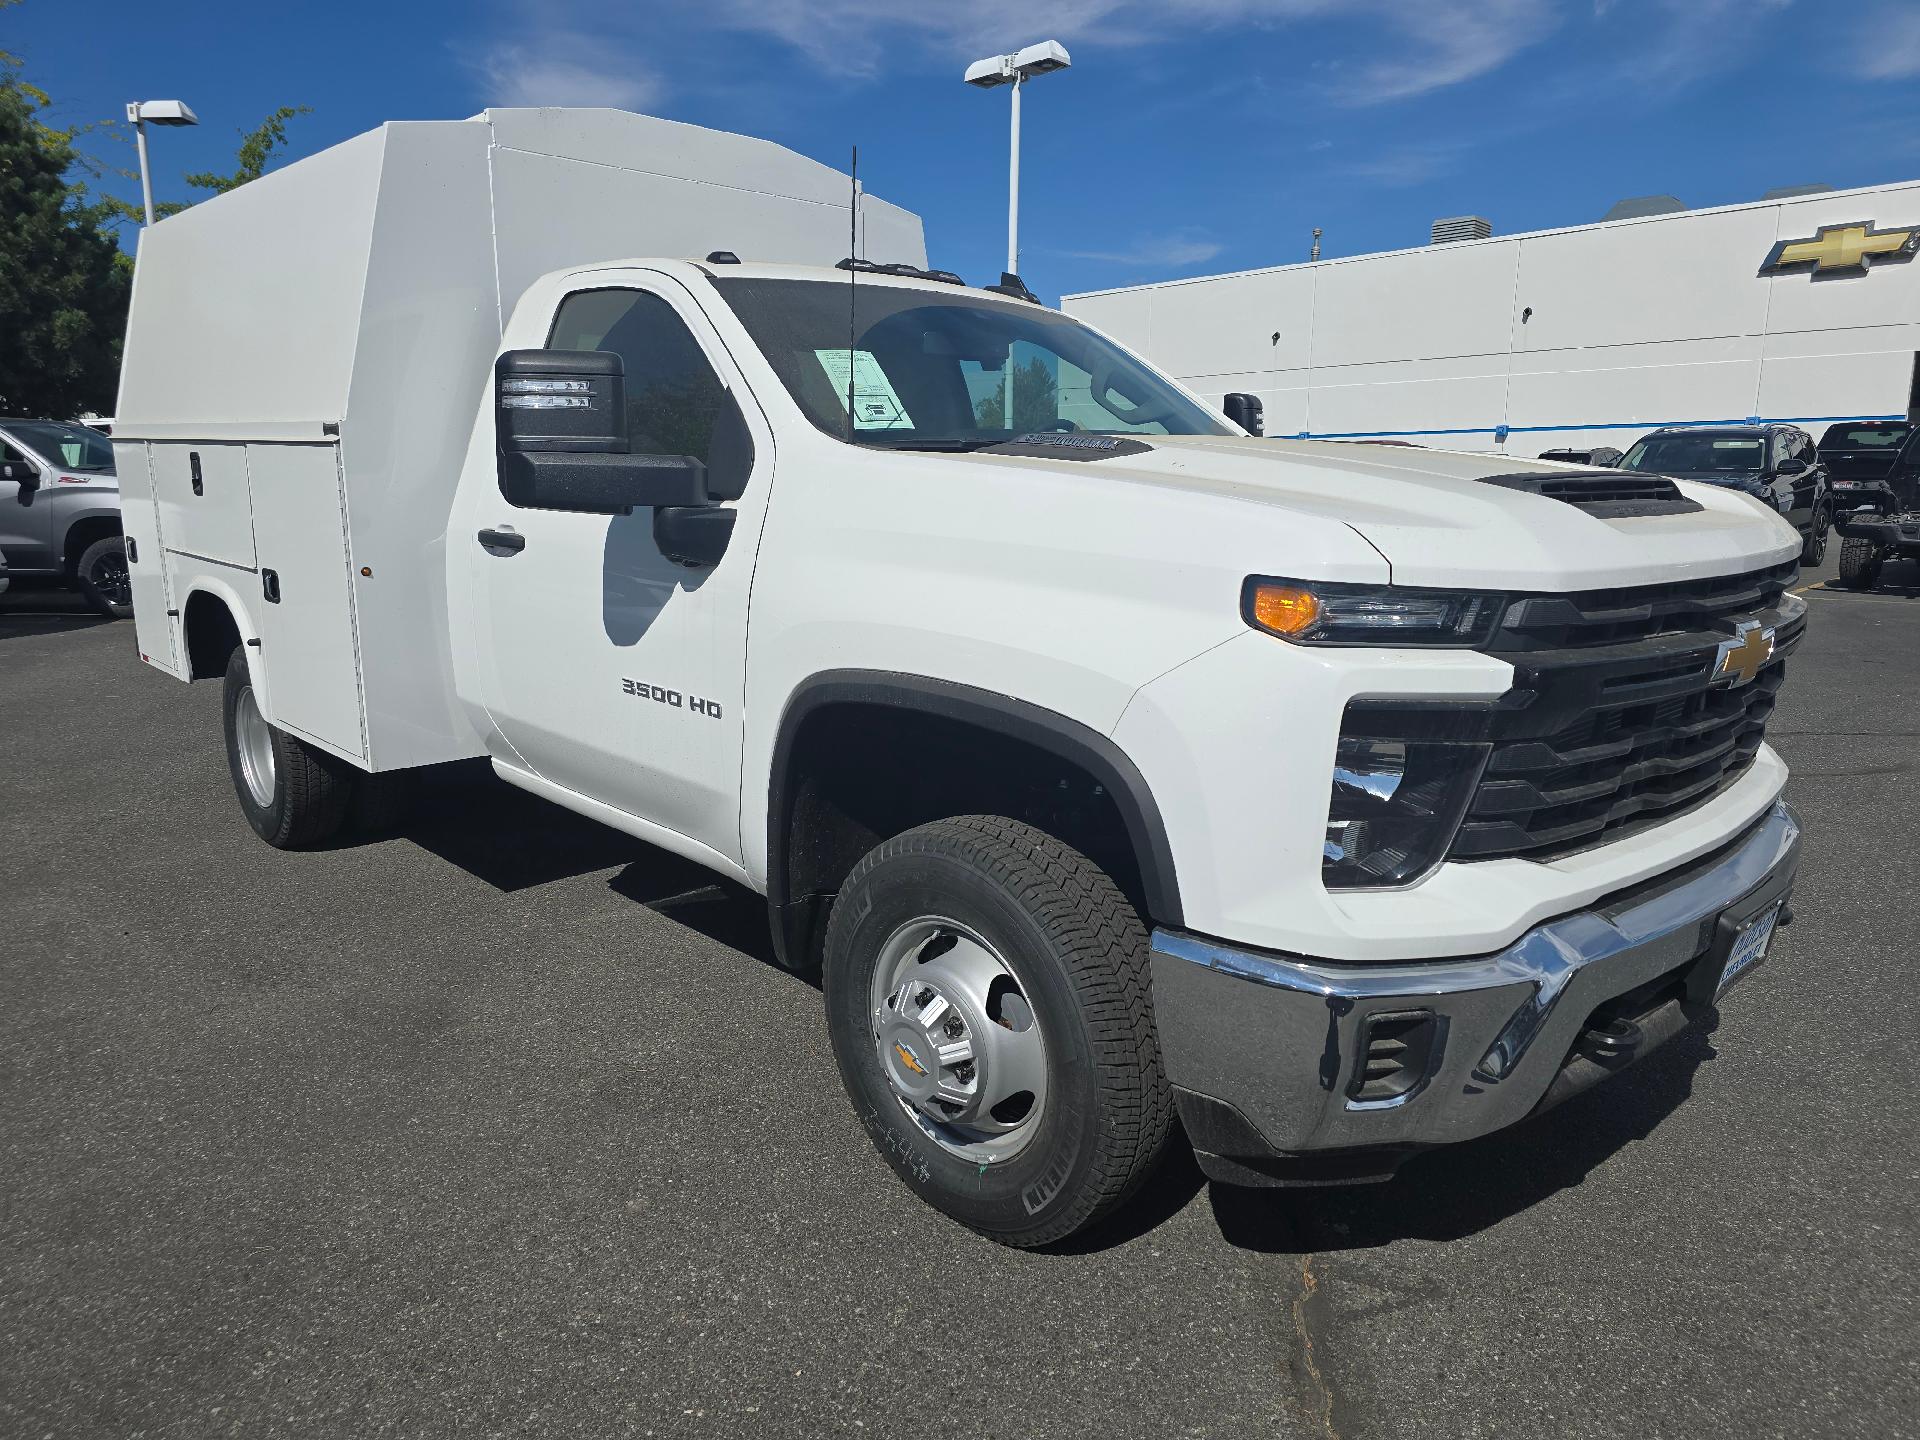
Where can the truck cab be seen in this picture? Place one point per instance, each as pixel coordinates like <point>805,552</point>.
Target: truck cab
<point>1107,764</point>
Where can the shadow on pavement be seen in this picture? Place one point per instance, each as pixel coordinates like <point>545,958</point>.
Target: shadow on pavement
<point>32,608</point>
<point>471,818</point>
<point>1459,1190</point>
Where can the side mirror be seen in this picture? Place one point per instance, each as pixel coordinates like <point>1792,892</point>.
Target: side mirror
<point>560,438</point>
<point>1247,412</point>
<point>1792,465</point>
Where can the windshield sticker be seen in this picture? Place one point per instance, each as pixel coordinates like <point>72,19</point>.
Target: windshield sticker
<point>876,406</point>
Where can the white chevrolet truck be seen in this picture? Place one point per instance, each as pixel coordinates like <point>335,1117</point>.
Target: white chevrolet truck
<point>1115,767</point>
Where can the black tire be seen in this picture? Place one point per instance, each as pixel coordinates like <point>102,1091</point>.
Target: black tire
<point>1080,953</point>
<point>1860,561</point>
<point>311,789</point>
<point>102,577</point>
<point>1813,549</point>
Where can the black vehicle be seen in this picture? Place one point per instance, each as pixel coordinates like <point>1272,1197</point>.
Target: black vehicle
<point>1875,467</point>
<point>1776,464</point>
<point>1603,458</point>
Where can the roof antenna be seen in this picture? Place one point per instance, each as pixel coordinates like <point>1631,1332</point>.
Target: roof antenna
<point>853,271</point>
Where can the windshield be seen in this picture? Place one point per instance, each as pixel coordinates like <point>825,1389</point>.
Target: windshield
<point>1697,454</point>
<point>933,372</point>
<point>1864,437</point>
<point>65,447</point>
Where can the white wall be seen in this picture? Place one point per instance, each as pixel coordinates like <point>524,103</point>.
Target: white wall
<point>1572,338</point>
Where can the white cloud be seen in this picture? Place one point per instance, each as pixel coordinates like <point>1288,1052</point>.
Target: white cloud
<point>1887,46</point>
<point>1426,44</point>
<point>1413,164</point>
<point>1185,247</point>
<point>563,68</point>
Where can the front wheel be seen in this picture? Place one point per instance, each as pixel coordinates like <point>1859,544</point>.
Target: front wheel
<point>293,795</point>
<point>987,999</point>
<point>1813,549</point>
<point>103,578</point>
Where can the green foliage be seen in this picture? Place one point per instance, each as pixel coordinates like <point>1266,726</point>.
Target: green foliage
<point>63,296</point>
<point>1035,400</point>
<point>257,147</point>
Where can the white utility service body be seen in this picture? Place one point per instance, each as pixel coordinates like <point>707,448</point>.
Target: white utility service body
<point>847,626</point>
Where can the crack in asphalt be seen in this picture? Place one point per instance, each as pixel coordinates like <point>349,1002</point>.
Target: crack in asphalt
<point>1312,1387</point>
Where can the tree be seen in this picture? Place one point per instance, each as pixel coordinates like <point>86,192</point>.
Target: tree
<point>63,297</point>
<point>1035,400</point>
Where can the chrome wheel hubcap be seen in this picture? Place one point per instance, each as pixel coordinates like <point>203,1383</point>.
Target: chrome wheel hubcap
<point>253,737</point>
<point>958,1040</point>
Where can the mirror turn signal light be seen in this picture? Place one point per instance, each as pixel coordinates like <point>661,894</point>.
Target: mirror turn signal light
<point>1283,609</point>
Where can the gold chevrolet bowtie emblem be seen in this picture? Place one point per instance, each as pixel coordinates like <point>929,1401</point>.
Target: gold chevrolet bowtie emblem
<point>1743,657</point>
<point>906,1058</point>
<point>1843,250</point>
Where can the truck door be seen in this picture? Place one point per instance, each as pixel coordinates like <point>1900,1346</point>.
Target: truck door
<point>24,509</point>
<point>613,671</point>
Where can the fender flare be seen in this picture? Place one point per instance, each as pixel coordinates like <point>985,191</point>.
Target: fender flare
<point>242,623</point>
<point>1044,729</point>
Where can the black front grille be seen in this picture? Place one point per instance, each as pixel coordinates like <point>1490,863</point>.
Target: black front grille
<point>1615,722</point>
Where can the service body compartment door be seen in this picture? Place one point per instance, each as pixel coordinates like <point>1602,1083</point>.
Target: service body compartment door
<point>307,633</point>
<point>201,491</point>
<point>153,627</point>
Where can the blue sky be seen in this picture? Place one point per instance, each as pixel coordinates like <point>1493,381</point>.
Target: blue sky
<point>1191,136</point>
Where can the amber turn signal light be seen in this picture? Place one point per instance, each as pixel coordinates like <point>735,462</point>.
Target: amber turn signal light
<point>1283,609</point>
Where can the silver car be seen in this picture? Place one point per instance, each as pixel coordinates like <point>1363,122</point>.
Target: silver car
<point>60,510</point>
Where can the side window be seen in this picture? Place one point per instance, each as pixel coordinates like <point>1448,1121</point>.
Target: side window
<point>8,454</point>
<point>672,393</point>
<point>1804,449</point>
<point>1782,448</point>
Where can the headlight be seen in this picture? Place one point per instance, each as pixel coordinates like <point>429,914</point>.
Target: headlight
<point>1310,612</point>
<point>1403,777</point>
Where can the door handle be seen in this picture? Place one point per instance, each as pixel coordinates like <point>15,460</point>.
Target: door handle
<point>509,541</point>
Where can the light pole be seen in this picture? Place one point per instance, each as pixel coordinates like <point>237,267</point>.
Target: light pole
<point>1015,70</point>
<point>142,113</point>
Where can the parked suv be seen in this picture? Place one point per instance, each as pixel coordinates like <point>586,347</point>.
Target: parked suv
<point>1776,464</point>
<point>60,510</point>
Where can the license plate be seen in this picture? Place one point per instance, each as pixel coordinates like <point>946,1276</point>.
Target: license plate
<point>1749,946</point>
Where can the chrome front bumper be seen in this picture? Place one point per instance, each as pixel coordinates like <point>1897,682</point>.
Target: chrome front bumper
<point>1267,1051</point>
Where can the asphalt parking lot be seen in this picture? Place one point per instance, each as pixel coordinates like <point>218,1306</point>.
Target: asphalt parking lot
<point>506,1126</point>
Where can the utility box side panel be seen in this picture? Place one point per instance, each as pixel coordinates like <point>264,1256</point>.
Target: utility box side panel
<point>306,611</point>
<point>201,493</point>
<point>245,307</point>
<point>153,622</point>
<point>429,329</point>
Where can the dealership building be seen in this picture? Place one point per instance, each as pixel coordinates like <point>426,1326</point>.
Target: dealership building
<point>1802,307</point>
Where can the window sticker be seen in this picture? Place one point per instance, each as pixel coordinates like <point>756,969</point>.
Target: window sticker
<point>876,406</point>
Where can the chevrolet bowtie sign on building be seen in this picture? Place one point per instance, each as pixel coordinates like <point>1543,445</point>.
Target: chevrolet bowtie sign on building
<point>1843,250</point>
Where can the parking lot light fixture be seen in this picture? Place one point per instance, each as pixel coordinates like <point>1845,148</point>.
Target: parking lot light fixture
<point>1016,69</point>
<point>142,113</point>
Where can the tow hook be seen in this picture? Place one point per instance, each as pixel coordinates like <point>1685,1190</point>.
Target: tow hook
<point>1609,1038</point>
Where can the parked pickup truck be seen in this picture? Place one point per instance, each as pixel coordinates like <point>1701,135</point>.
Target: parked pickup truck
<point>1110,765</point>
<point>60,510</point>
